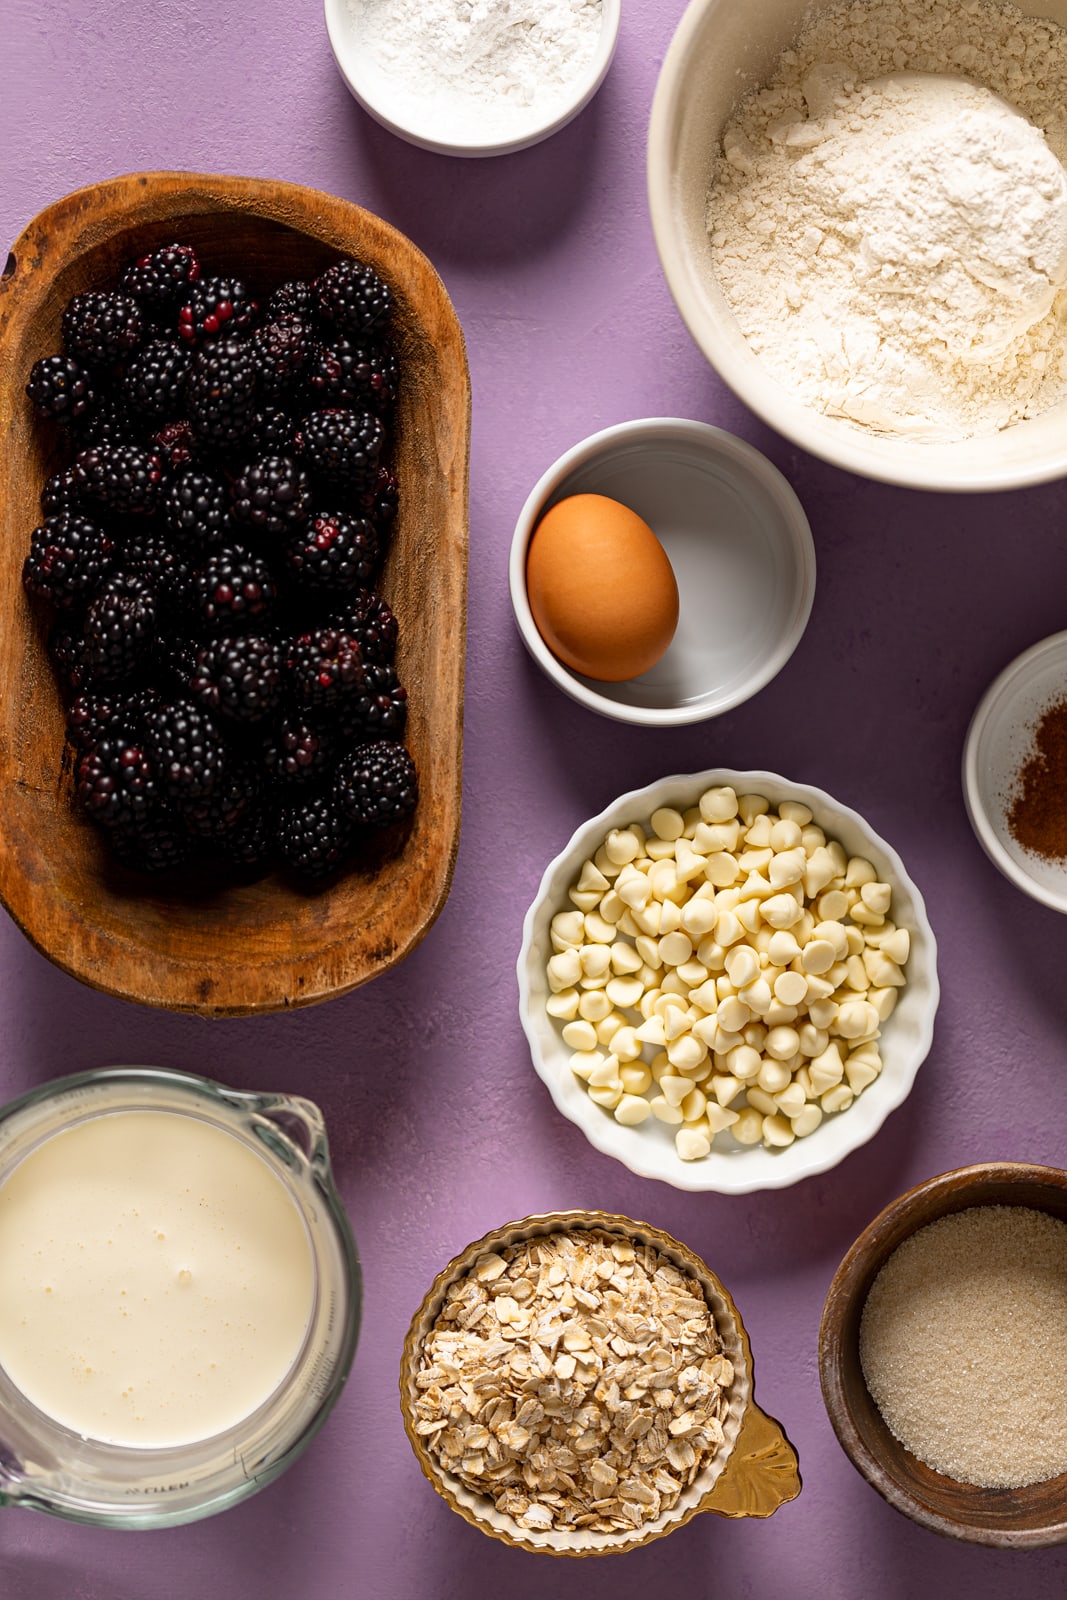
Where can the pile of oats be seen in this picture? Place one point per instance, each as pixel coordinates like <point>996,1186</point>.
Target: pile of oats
<point>576,1380</point>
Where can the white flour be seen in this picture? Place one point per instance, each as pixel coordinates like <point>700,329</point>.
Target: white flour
<point>895,248</point>
<point>477,69</point>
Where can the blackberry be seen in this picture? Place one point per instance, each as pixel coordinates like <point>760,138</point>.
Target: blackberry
<point>115,782</point>
<point>239,677</point>
<point>297,750</point>
<point>159,279</point>
<point>195,508</point>
<point>177,444</point>
<point>250,842</point>
<point>272,496</point>
<point>353,296</point>
<point>382,500</point>
<point>66,646</point>
<point>232,799</point>
<point>377,784</point>
<point>214,307</point>
<point>313,836</point>
<point>221,390</point>
<point>188,751</point>
<point>293,299</point>
<point>109,421</point>
<point>152,556</point>
<point>325,666</point>
<point>369,620</point>
<point>92,716</point>
<point>232,588</point>
<point>102,328</point>
<point>122,477</point>
<point>282,350</point>
<point>120,627</point>
<point>355,372</point>
<point>155,379</point>
<point>152,845</point>
<point>333,551</point>
<point>68,560</point>
<point>343,447</point>
<point>272,432</point>
<point>175,660</point>
<point>62,492</point>
<point>60,387</point>
<point>378,709</point>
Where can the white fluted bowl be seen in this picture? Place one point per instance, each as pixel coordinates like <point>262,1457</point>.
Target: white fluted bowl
<point>649,1150</point>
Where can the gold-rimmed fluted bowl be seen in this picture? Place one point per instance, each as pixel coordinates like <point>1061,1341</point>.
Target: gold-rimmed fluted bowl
<point>753,1472</point>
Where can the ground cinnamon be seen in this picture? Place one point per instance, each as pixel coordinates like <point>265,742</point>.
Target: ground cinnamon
<point>1037,818</point>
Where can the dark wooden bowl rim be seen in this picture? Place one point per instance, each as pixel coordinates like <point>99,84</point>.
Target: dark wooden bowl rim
<point>1011,1519</point>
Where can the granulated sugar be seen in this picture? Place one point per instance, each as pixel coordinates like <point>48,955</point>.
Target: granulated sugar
<point>895,246</point>
<point>963,1345</point>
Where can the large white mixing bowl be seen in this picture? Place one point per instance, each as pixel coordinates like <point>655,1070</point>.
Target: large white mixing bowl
<point>721,50</point>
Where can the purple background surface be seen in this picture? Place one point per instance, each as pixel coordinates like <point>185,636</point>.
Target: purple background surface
<point>439,1128</point>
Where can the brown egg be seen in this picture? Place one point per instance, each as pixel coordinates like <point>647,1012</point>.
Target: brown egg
<point>601,589</point>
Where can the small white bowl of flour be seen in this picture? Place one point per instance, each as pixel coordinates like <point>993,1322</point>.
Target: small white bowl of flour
<point>473,77</point>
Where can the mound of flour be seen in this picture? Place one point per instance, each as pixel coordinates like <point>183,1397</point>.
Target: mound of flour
<point>892,236</point>
<point>463,69</point>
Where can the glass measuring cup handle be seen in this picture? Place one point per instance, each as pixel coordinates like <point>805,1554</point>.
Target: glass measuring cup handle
<point>292,1127</point>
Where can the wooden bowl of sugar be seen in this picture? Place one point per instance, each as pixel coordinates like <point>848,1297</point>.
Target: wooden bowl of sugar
<point>247,947</point>
<point>1018,1517</point>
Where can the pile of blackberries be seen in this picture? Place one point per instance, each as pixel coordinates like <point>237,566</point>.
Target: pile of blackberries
<point>207,564</point>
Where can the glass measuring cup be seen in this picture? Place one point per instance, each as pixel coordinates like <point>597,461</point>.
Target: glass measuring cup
<point>48,1467</point>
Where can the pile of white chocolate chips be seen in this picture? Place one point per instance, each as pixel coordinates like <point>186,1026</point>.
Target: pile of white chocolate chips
<point>727,970</point>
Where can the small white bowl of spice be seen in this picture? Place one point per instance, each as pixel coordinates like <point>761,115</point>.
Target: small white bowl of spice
<point>473,77</point>
<point>1015,772</point>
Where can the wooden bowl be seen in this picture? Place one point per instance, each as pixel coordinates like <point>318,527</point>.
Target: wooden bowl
<point>753,1473</point>
<point>1012,1519</point>
<point>263,946</point>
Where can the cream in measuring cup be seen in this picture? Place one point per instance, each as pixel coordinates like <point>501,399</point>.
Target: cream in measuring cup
<point>156,1278</point>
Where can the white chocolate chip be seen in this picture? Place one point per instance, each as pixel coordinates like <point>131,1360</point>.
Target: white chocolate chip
<point>782,1043</point>
<point>742,966</point>
<point>594,1005</point>
<point>675,948</point>
<point>748,1129</point>
<point>563,1005</point>
<point>632,1110</point>
<point>622,846</point>
<point>564,970</point>
<point>817,957</point>
<point>778,1131</point>
<point>782,911</point>
<point>790,988</point>
<point>667,823</point>
<point>744,1062</point>
<point>806,1121</point>
<point>718,805</point>
<point>580,1035</point>
<point>692,1145</point>
<point>837,1099</point>
<point>858,872</point>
